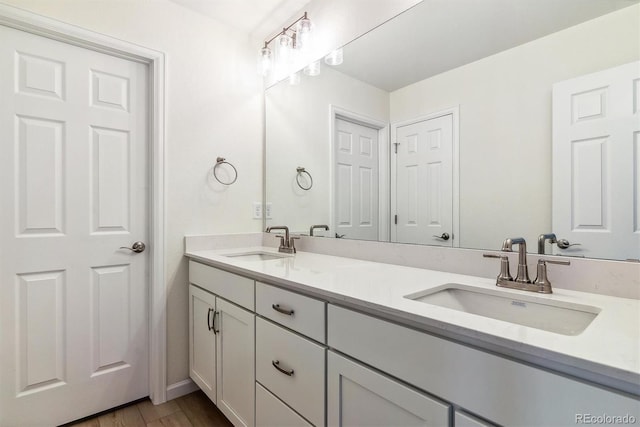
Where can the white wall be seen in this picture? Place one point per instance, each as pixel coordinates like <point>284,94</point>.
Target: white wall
<point>298,134</point>
<point>214,108</point>
<point>505,122</point>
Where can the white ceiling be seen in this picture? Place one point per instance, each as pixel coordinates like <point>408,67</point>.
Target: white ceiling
<point>438,35</point>
<point>258,18</point>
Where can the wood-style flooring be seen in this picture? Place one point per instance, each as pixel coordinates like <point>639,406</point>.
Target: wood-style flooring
<point>192,410</point>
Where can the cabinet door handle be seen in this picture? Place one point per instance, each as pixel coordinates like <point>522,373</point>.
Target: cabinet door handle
<point>215,331</point>
<point>209,319</point>
<point>279,309</point>
<point>276,364</point>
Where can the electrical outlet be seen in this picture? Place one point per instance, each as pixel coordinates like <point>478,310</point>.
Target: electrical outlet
<point>268,209</point>
<point>257,210</point>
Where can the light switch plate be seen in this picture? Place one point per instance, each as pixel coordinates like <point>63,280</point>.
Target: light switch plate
<point>257,210</point>
<point>268,209</point>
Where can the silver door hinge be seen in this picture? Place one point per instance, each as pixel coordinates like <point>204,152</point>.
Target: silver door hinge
<point>396,147</point>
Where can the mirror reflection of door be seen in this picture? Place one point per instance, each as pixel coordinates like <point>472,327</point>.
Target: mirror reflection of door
<point>596,159</point>
<point>356,180</point>
<point>424,182</point>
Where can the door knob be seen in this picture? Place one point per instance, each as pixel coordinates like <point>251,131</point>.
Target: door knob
<point>443,236</point>
<point>565,244</point>
<point>137,247</point>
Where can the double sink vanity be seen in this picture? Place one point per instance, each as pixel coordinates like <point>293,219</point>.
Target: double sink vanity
<point>312,339</point>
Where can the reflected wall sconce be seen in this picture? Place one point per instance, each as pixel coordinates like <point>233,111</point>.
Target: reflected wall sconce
<point>334,57</point>
<point>290,41</point>
<point>312,69</point>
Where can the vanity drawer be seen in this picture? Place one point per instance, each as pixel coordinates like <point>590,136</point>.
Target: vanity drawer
<point>462,419</point>
<point>298,312</point>
<point>278,349</point>
<point>232,287</point>
<point>468,377</point>
<point>271,412</point>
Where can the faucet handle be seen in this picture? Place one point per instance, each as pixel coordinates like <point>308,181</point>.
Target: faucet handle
<point>292,243</point>
<point>542,281</point>
<point>550,261</point>
<point>504,267</point>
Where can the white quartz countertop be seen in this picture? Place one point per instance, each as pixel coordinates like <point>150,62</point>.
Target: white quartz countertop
<point>607,351</point>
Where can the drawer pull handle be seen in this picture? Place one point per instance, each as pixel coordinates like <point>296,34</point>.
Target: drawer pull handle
<point>276,364</point>
<point>279,309</point>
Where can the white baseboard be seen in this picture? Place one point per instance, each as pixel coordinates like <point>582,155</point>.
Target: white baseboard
<point>180,388</point>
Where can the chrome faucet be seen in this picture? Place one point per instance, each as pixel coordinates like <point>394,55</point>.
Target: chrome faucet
<point>313,227</point>
<point>544,237</point>
<point>523,271</point>
<point>287,244</point>
<point>522,281</point>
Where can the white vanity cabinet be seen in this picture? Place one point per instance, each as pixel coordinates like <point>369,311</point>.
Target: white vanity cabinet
<point>221,340</point>
<point>494,388</point>
<point>268,356</point>
<point>290,367</point>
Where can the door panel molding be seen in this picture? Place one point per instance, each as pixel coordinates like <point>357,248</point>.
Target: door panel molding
<point>29,22</point>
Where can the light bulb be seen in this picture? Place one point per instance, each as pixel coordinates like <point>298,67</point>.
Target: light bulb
<point>265,61</point>
<point>312,69</point>
<point>334,58</point>
<point>303,33</point>
<point>285,45</point>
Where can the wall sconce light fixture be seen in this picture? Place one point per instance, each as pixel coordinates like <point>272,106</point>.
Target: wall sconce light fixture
<point>293,38</point>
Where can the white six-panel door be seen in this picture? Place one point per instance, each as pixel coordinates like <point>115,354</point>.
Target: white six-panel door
<point>596,163</point>
<point>424,182</point>
<point>73,190</point>
<point>356,181</point>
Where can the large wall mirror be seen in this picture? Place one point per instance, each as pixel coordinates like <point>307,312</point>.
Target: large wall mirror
<point>461,122</point>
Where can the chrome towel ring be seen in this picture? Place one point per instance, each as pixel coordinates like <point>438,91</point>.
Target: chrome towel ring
<point>219,161</point>
<point>300,171</point>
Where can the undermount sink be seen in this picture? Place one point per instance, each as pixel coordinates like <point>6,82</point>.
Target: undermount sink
<point>549,315</point>
<point>256,256</point>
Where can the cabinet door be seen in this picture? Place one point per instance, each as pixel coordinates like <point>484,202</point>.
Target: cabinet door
<point>358,396</point>
<point>236,363</point>
<point>202,340</point>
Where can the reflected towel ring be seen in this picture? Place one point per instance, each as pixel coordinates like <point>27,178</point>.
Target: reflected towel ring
<point>219,161</point>
<point>302,170</point>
